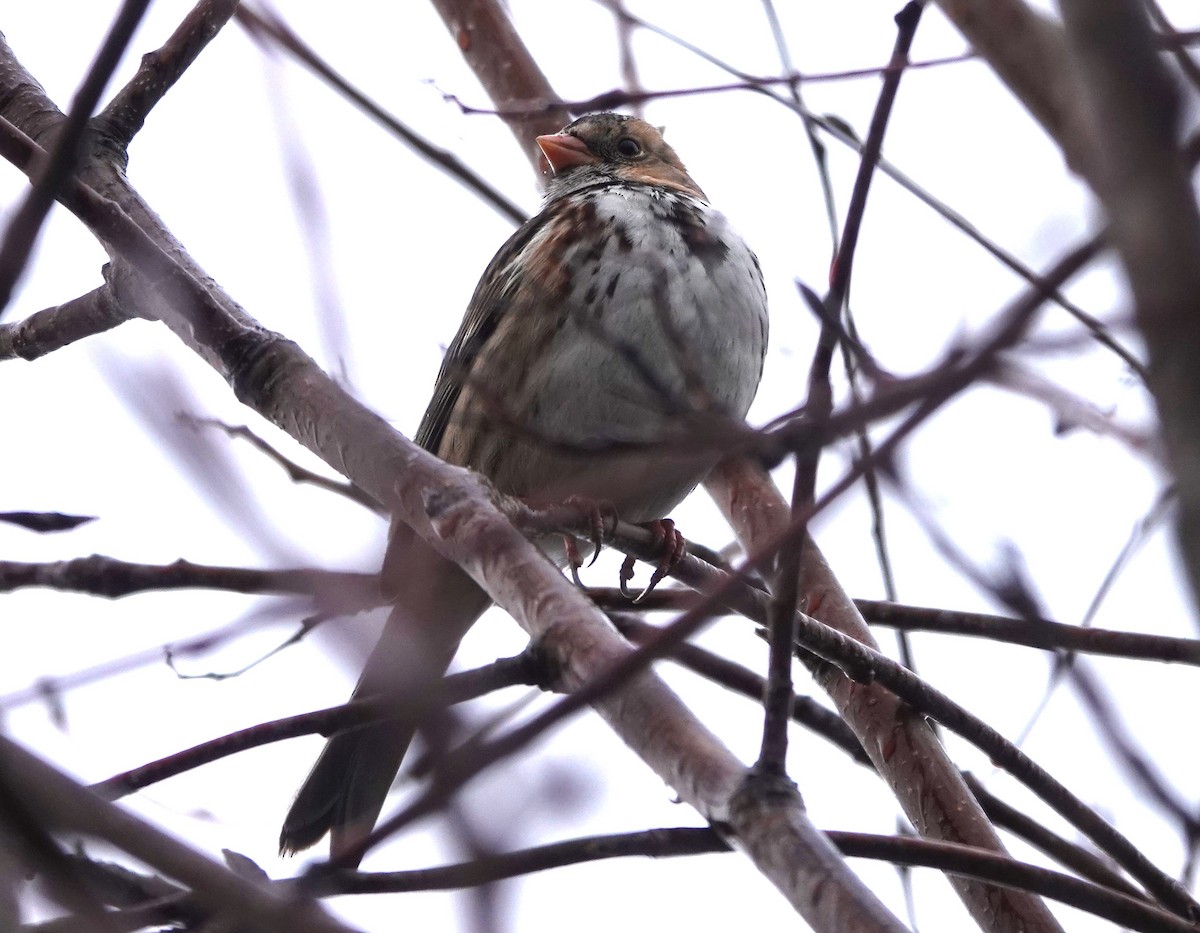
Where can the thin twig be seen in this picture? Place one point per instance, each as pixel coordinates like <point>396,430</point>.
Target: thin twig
<point>839,132</point>
<point>839,276</point>
<point>1073,855</point>
<point>837,302</point>
<point>1033,633</point>
<point>522,669</point>
<point>295,472</point>
<point>126,113</point>
<point>1150,784</point>
<point>112,578</point>
<point>50,689</point>
<point>1116,907</point>
<point>626,60</point>
<point>816,147</point>
<point>741,680</point>
<point>266,25</point>
<point>54,328</point>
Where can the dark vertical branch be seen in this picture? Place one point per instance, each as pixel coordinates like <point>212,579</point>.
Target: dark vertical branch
<point>907,21</point>
<point>838,300</point>
<point>777,700</point>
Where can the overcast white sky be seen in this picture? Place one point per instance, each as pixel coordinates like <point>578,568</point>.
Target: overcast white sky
<point>90,429</point>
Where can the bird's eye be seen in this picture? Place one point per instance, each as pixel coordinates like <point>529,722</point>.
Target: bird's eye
<point>629,147</point>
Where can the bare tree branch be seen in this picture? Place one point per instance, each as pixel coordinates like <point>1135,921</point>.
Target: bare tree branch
<point>1117,907</point>
<point>52,175</point>
<point>113,578</point>
<point>1037,633</point>
<point>295,472</point>
<point>915,765</point>
<point>54,328</point>
<point>486,37</point>
<point>1028,52</point>
<point>831,727</point>
<point>1142,177</point>
<point>525,668</point>
<point>45,522</point>
<point>66,806</point>
<point>268,26</point>
<point>125,114</point>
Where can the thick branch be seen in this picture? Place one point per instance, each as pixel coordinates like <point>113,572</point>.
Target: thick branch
<point>1142,179</point>
<point>903,747</point>
<point>1028,52</point>
<point>66,806</point>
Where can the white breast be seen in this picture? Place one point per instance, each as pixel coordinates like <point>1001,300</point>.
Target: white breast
<point>669,316</point>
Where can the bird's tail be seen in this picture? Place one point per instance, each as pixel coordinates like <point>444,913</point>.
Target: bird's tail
<point>345,791</point>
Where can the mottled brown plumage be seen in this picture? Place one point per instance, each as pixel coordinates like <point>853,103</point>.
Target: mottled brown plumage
<point>599,333</point>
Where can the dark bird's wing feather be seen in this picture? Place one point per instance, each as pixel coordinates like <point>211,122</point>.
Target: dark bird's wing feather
<point>487,306</point>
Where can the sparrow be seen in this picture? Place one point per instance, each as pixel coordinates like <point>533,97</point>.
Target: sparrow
<point>603,335</point>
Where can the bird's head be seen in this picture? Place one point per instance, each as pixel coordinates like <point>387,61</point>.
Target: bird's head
<point>603,146</point>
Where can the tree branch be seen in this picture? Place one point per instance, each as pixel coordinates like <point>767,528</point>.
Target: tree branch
<point>263,26</point>
<point>903,748</point>
<point>125,114</point>
<point>52,175</point>
<point>525,668</point>
<point>1142,178</point>
<point>1028,52</point>
<point>63,805</point>
<point>1037,633</point>
<point>113,579</point>
<point>54,328</point>
<point>507,71</point>
<point>1117,907</point>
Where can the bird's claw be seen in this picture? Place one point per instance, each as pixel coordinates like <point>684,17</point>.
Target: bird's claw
<point>574,561</point>
<point>673,545</point>
<point>626,575</point>
<point>601,516</point>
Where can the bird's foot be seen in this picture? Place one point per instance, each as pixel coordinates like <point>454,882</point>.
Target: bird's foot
<point>672,545</point>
